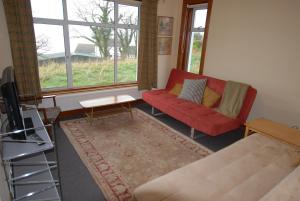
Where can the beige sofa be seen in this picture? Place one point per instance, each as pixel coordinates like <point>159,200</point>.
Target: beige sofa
<point>255,168</point>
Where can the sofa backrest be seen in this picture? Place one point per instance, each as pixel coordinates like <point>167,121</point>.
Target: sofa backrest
<point>178,76</point>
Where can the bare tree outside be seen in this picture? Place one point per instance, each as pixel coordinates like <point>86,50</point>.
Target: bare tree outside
<point>126,36</point>
<point>102,36</point>
<point>42,44</point>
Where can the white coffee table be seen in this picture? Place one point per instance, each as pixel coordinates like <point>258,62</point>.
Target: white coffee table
<point>123,100</point>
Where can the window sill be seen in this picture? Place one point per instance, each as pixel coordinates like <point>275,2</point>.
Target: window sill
<point>88,89</point>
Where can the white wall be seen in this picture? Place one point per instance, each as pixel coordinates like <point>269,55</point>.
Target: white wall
<point>169,8</point>
<point>258,42</point>
<point>5,53</point>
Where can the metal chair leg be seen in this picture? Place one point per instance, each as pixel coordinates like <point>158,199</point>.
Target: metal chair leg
<point>192,133</point>
<point>155,114</point>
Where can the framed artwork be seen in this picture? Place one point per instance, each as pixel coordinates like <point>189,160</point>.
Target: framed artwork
<point>165,26</point>
<point>164,45</point>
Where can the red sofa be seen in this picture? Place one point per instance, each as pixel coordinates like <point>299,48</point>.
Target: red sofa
<point>197,116</point>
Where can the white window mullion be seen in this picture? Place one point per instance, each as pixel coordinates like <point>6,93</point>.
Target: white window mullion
<point>199,29</point>
<point>47,21</point>
<point>128,2</point>
<point>127,26</point>
<point>67,45</point>
<point>137,41</point>
<point>116,13</point>
<point>72,22</point>
<point>189,52</point>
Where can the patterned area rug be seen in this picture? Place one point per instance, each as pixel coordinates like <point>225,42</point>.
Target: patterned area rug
<point>122,153</point>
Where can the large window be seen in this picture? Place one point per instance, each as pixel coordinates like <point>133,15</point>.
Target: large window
<point>194,30</point>
<point>83,43</point>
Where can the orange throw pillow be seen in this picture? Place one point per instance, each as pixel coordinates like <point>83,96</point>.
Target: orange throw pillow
<point>176,89</point>
<point>210,97</point>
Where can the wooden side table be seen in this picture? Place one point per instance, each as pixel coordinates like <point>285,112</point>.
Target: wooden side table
<point>273,129</point>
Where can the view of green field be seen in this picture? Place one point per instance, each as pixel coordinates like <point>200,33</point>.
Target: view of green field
<point>196,53</point>
<point>92,73</point>
<point>195,62</point>
<point>87,73</point>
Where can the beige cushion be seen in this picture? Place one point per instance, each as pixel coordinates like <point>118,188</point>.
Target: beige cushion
<point>246,171</point>
<point>176,89</point>
<point>287,190</point>
<point>210,97</point>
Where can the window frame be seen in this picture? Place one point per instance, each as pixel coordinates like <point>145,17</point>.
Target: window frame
<point>188,8</point>
<point>65,23</point>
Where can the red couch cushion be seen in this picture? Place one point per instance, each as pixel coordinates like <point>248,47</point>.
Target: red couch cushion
<point>194,115</point>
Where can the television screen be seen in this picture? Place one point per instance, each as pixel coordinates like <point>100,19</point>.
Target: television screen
<point>11,101</point>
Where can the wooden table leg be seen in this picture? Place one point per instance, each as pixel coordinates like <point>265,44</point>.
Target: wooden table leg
<point>92,116</point>
<point>130,110</point>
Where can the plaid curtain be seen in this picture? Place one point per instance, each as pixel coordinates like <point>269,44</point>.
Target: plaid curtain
<point>147,53</point>
<point>23,48</point>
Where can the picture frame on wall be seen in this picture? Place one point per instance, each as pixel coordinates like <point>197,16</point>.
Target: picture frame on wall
<point>164,45</point>
<point>165,26</point>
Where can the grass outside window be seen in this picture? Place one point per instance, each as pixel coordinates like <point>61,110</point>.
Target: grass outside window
<point>87,73</point>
